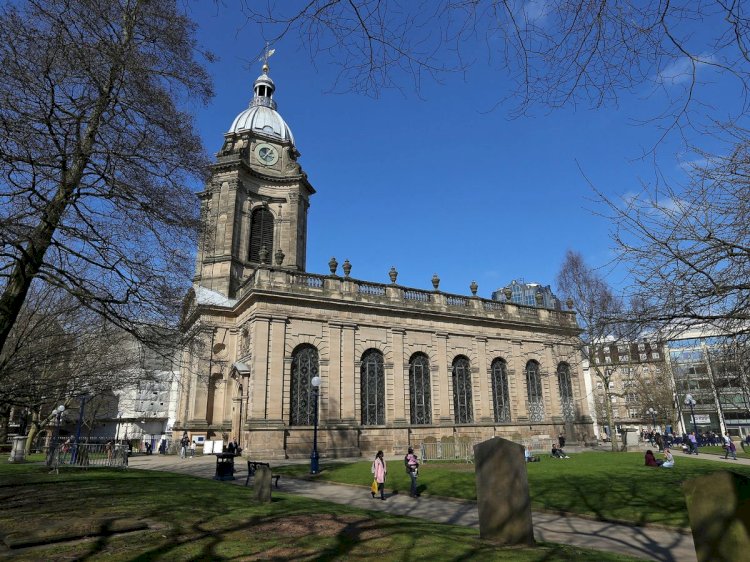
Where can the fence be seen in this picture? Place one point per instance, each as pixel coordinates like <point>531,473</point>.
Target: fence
<point>86,455</point>
<point>464,450</point>
<point>448,450</point>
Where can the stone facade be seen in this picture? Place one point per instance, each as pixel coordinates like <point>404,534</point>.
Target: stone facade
<point>261,327</point>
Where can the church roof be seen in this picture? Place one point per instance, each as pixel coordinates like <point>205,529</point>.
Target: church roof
<point>261,116</point>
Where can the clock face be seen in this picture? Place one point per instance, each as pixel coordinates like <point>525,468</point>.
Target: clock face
<point>267,154</point>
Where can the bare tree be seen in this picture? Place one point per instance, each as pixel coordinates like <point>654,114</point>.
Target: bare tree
<point>688,248</point>
<point>58,352</point>
<point>554,52</point>
<point>97,154</point>
<point>654,388</point>
<point>600,315</point>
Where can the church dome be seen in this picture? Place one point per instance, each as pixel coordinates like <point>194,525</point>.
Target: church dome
<point>261,116</point>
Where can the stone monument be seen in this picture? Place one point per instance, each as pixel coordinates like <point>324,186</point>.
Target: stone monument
<point>262,484</point>
<point>503,492</point>
<point>18,453</point>
<point>720,520</point>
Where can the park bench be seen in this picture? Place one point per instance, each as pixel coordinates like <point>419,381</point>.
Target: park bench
<point>252,466</point>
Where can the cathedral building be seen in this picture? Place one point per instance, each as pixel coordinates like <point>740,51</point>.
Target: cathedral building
<point>396,366</point>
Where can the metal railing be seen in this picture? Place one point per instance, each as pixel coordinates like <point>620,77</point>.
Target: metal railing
<point>87,455</point>
<point>447,450</point>
<point>464,450</point>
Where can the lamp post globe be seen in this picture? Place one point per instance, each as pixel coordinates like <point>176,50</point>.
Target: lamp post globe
<point>690,401</point>
<point>314,459</point>
<point>58,413</point>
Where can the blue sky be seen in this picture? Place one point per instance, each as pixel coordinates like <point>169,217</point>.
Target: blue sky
<point>440,182</point>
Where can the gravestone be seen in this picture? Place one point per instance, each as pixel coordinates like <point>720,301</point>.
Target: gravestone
<point>262,484</point>
<point>18,453</point>
<point>720,520</point>
<point>503,492</point>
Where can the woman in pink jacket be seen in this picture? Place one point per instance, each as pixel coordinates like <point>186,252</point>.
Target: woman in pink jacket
<point>379,470</point>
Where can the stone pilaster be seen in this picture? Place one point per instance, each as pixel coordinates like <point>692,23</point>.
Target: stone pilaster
<point>398,376</point>
<point>442,383</point>
<point>348,375</point>
<point>259,379</point>
<point>276,374</point>
<point>482,399</point>
<point>332,404</point>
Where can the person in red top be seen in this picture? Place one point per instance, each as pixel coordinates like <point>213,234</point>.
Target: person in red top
<point>651,459</point>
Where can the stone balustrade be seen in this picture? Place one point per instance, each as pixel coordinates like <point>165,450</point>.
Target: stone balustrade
<point>350,289</point>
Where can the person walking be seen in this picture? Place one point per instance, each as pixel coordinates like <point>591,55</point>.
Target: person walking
<point>184,442</point>
<point>412,469</point>
<point>192,449</point>
<point>561,440</point>
<point>731,449</point>
<point>693,443</point>
<point>379,470</point>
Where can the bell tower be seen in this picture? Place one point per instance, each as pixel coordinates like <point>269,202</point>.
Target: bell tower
<point>254,206</point>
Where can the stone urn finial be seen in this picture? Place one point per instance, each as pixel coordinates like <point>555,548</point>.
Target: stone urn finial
<point>473,288</point>
<point>569,303</point>
<point>393,274</point>
<point>435,281</point>
<point>539,298</point>
<point>333,265</point>
<point>279,255</point>
<point>263,255</point>
<point>508,292</point>
<point>347,267</point>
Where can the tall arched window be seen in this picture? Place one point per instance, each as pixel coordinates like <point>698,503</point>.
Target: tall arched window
<point>372,386</point>
<point>304,368</point>
<point>535,404</point>
<point>419,389</point>
<point>463,412</point>
<point>500,393</point>
<point>566,391</point>
<point>261,233</point>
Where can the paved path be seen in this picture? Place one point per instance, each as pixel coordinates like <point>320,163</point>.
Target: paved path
<point>649,543</point>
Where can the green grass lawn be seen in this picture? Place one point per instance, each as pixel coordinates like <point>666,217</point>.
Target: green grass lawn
<point>608,486</point>
<point>143,515</point>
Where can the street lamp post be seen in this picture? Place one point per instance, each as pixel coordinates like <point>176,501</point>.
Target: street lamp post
<point>652,413</point>
<point>74,456</point>
<point>690,401</point>
<point>314,459</point>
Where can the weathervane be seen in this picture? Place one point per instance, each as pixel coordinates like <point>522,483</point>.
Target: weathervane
<point>267,54</point>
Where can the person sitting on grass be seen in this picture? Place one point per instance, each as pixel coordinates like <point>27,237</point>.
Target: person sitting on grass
<point>558,453</point>
<point>668,459</point>
<point>528,456</point>
<point>650,459</point>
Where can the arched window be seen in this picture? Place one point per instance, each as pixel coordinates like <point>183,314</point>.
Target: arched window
<point>463,412</point>
<point>419,389</point>
<point>500,394</point>
<point>372,385</point>
<point>566,391</point>
<point>304,368</point>
<point>534,390</point>
<point>261,233</point>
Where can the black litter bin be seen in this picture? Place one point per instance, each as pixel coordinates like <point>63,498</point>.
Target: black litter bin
<point>224,466</point>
